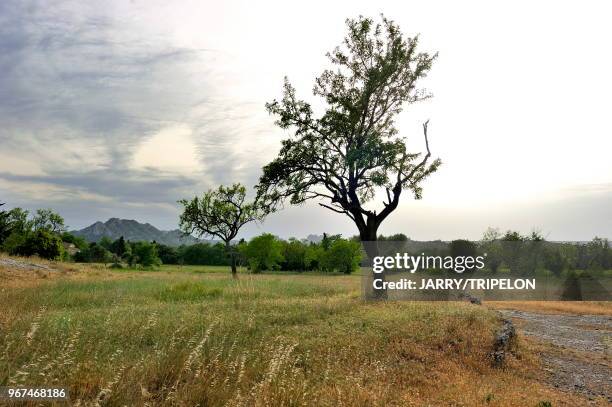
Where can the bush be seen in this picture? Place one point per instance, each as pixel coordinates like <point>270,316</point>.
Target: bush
<point>263,253</point>
<point>79,242</point>
<point>203,254</point>
<point>294,253</point>
<point>344,256</point>
<point>99,254</point>
<point>167,254</point>
<point>121,248</point>
<point>145,254</point>
<point>42,243</point>
<point>314,257</point>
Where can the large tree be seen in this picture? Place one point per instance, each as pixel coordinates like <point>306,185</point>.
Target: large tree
<point>220,213</point>
<point>353,150</point>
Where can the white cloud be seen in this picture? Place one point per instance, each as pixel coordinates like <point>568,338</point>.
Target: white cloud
<point>172,149</point>
<point>173,93</point>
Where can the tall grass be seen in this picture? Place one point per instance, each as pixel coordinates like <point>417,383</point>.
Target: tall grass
<point>188,338</point>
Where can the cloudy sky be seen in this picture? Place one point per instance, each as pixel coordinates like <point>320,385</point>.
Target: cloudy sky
<point>120,108</point>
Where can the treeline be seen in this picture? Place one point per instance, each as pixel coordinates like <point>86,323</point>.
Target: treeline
<point>44,234</point>
<point>529,254</point>
<point>262,253</point>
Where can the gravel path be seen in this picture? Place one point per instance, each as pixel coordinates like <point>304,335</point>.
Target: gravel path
<point>580,354</point>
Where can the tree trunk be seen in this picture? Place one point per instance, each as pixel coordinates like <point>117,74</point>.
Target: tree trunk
<point>234,271</point>
<point>232,256</point>
<point>369,239</point>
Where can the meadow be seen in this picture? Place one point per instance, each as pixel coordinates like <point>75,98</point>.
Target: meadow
<point>193,336</point>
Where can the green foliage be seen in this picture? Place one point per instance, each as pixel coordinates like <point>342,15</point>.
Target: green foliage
<point>203,254</point>
<point>168,254</point>
<point>491,246</point>
<point>353,148</point>
<point>18,219</point>
<point>47,219</point>
<point>599,254</point>
<point>107,243</point>
<point>314,257</point>
<point>146,254</point>
<point>119,247</point>
<point>42,243</point>
<point>462,248</point>
<point>99,254</point>
<point>39,235</point>
<point>220,213</point>
<point>343,256</point>
<point>294,254</point>
<point>79,242</point>
<point>554,260</point>
<point>264,252</point>
<point>328,240</point>
<point>13,242</point>
<point>398,237</point>
<point>5,225</point>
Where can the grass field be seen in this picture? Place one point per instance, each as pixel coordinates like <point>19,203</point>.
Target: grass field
<point>194,336</point>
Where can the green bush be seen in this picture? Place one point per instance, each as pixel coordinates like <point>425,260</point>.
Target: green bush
<point>145,254</point>
<point>263,253</point>
<point>343,256</point>
<point>42,243</point>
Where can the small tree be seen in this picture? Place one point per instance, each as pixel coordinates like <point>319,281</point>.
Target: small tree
<point>263,252</point>
<point>220,213</point>
<point>294,253</point>
<point>344,256</point>
<point>121,248</point>
<point>99,254</point>
<point>146,254</point>
<point>490,246</point>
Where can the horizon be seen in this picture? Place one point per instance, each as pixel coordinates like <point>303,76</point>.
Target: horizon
<point>123,110</point>
<point>302,237</point>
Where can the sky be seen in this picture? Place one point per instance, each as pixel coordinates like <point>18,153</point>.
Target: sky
<point>121,108</point>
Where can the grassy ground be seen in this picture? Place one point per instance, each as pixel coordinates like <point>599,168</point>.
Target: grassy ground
<point>194,336</point>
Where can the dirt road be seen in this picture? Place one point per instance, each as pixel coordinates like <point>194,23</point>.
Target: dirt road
<point>576,351</point>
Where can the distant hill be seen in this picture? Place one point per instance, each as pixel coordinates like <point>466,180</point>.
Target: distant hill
<point>134,231</point>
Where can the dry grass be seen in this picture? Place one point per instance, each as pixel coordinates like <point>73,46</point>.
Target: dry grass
<point>556,307</point>
<point>190,338</point>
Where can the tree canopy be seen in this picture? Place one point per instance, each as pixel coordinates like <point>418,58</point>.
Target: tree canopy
<point>344,156</point>
<point>220,213</point>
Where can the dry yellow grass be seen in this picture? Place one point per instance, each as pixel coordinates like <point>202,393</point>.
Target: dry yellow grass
<point>183,338</point>
<point>556,307</point>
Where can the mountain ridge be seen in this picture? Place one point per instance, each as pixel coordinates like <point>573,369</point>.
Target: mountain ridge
<point>134,231</point>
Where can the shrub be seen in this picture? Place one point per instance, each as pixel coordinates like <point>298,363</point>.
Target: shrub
<point>294,253</point>
<point>146,254</point>
<point>42,243</point>
<point>344,256</point>
<point>263,253</point>
<point>203,254</point>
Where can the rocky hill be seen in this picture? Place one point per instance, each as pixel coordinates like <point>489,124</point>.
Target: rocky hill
<point>134,231</point>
